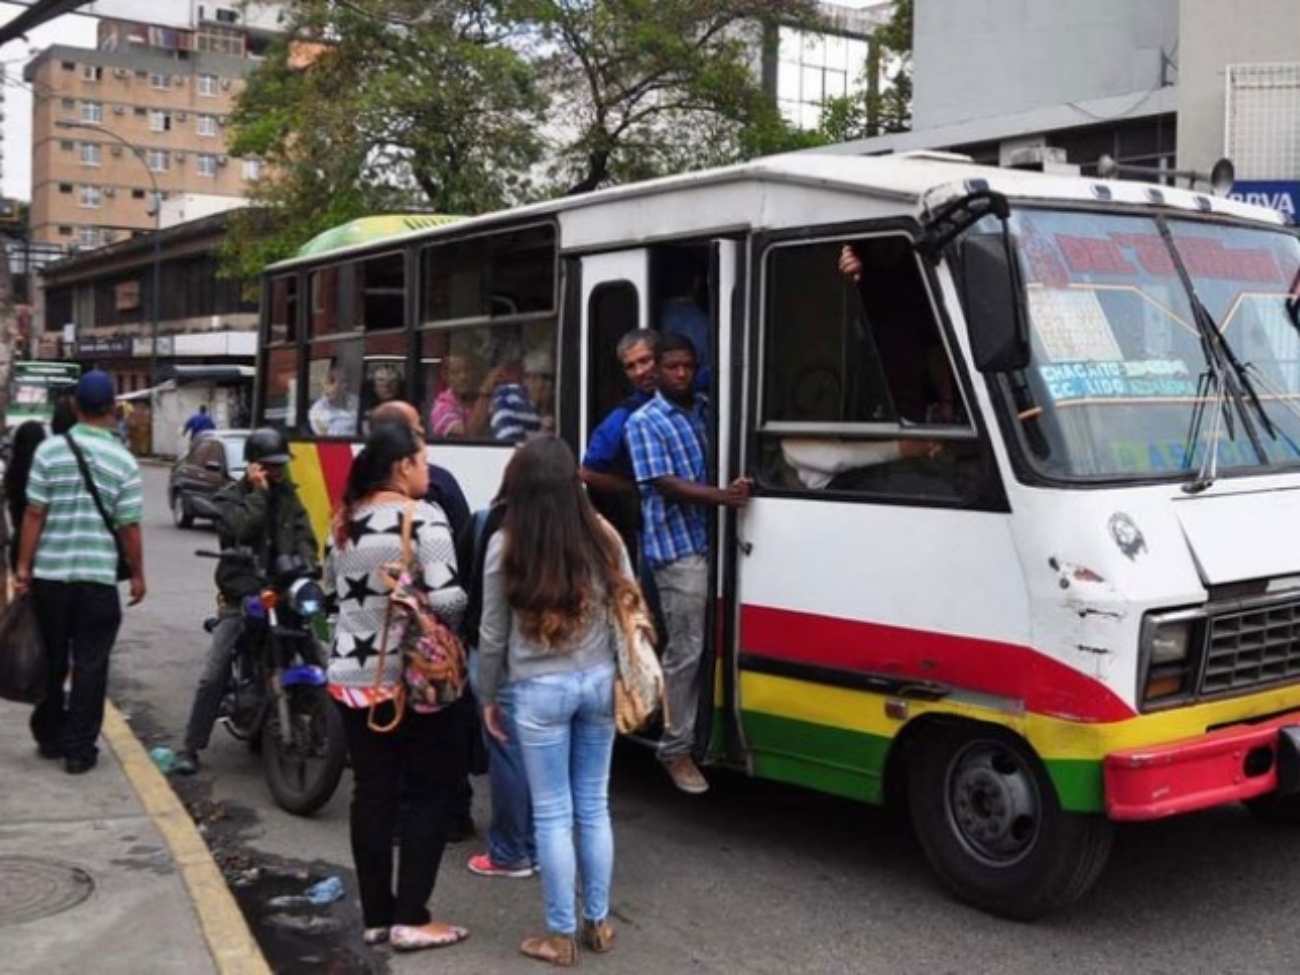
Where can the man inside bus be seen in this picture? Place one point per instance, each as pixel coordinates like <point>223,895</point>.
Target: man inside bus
<point>607,466</point>
<point>463,407</point>
<point>668,441</point>
<point>521,409</point>
<point>334,414</point>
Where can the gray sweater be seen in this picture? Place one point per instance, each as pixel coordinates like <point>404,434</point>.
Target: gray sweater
<point>506,655</point>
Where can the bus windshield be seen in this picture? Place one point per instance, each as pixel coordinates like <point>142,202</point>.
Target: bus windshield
<point>35,386</point>
<point>1126,378</point>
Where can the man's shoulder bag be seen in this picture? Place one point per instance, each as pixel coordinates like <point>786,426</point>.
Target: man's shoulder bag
<point>123,566</point>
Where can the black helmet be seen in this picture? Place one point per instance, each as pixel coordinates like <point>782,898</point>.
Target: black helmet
<point>266,445</point>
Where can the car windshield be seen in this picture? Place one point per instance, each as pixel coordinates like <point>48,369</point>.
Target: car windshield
<point>234,444</point>
<point>1127,377</point>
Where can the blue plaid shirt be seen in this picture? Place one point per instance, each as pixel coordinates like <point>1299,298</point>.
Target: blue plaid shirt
<point>668,441</point>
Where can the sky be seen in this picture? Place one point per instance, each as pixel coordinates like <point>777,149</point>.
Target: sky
<point>76,31</point>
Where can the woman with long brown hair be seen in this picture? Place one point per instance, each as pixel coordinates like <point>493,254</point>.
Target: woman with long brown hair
<point>423,754</point>
<point>550,575</point>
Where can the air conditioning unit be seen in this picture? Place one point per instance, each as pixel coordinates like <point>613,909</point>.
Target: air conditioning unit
<point>222,160</point>
<point>110,191</point>
<point>121,73</point>
<point>180,157</point>
<point>225,84</point>
<point>119,109</point>
<point>223,119</point>
<point>181,116</point>
<point>178,81</point>
<point>116,150</point>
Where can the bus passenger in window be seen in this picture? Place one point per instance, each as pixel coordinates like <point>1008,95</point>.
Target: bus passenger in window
<point>335,413</point>
<point>462,408</point>
<point>521,409</point>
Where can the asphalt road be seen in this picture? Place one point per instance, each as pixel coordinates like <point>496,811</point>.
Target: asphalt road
<point>752,877</point>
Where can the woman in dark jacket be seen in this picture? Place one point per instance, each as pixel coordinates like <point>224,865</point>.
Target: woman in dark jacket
<point>26,439</point>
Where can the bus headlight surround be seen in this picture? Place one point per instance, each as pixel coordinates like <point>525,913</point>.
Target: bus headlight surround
<point>1168,655</point>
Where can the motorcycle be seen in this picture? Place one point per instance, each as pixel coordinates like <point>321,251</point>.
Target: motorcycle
<point>275,698</point>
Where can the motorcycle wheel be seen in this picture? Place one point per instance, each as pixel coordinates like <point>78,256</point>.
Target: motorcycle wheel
<point>303,774</point>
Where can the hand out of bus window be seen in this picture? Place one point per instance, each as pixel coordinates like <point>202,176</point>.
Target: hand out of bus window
<point>850,264</point>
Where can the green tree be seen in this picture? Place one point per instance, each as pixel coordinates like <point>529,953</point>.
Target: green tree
<point>374,106</point>
<point>649,87</point>
<point>876,108</point>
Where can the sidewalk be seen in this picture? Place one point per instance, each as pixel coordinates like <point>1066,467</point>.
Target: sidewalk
<point>105,872</point>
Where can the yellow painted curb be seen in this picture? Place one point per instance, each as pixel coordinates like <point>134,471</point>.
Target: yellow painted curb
<point>233,948</point>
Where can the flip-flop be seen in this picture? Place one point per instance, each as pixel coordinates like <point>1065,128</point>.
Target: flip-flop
<point>416,938</point>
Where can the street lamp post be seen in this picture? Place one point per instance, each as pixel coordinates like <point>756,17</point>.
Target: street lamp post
<point>155,289</point>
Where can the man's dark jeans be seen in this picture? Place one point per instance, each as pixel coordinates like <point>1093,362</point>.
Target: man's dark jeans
<point>79,622</point>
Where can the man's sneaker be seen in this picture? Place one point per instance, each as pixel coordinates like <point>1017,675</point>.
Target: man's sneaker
<point>481,864</point>
<point>187,763</point>
<point>685,775</point>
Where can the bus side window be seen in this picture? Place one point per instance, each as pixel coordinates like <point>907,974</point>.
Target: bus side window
<point>853,356</point>
<point>333,377</point>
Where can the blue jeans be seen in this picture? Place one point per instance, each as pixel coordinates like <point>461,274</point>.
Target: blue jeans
<point>510,834</point>
<point>566,729</point>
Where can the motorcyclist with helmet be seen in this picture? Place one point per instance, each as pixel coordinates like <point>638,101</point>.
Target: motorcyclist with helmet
<point>260,512</point>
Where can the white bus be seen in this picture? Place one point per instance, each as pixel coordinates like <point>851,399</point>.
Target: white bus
<point>1023,555</point>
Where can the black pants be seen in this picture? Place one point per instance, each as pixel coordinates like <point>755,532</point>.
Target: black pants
<point>425,757</point>
<point>79,622</point>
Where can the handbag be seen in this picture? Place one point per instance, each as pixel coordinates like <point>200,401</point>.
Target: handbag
<point>639,678</point>
<point>432,656</point>
<point>23,672</point>
<point>123,564</point>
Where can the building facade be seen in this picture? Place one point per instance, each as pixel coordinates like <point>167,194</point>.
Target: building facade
<point>119,129</point>
<point>1166,84</point>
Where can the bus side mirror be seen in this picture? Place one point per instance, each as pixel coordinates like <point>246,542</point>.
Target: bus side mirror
<point>994,303</point>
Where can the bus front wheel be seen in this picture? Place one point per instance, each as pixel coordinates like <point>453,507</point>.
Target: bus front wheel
<point>987,816</point>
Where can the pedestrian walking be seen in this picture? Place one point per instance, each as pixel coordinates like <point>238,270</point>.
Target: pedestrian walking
<point>27,438</point>
<point>549,577</point>
<point>199,423</point>
<point>80,484</point>
<point>423,755</point>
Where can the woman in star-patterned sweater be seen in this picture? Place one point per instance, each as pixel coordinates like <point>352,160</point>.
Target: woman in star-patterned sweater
<point>424,753</point>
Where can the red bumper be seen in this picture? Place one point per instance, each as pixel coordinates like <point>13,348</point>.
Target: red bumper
<point>1228,765</point>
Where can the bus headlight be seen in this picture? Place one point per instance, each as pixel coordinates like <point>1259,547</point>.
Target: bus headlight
<point>1169,655</point>
<point>306,598</point>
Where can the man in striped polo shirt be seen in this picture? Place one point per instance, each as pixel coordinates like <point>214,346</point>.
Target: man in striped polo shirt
<point>67,560</point>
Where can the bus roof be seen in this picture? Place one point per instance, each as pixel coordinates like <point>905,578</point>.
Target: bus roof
<point>923,180</point>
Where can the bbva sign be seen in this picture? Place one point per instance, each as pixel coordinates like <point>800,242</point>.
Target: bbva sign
<point>1282,195</point>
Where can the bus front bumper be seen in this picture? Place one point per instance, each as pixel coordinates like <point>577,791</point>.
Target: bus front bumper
<point>1227,765</point>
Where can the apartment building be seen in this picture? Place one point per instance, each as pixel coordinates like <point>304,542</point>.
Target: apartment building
<point>141,118</point>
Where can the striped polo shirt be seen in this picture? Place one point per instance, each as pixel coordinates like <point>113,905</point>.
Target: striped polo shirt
<point>75,546</point>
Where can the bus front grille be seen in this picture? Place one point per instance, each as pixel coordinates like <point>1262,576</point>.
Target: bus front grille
<point>1252,648</point>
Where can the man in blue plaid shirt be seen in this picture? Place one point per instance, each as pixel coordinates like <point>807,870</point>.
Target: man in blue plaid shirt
<point>668,441</point>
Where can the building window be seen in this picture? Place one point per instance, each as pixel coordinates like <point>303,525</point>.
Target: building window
<point>160,160</point>
<point>208,85</point>
<point>65,187</point>
<point>159,122</point>
<point>207,125</point>
<point>87,237</point>
<point>159,81</point>
<point>89,154</point>
<point>252,169</point>
<point>89,196</point>
<point>207,165</point>
<point>92,112</point>
<point>812,67</point>
<point>91,72</point>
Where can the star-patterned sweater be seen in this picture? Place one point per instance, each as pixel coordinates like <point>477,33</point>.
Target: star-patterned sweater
<point>353,571</point>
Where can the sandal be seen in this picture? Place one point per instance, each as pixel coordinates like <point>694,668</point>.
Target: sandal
<point>597,936</point>
<point>435,934</point>
<point>555,949</point>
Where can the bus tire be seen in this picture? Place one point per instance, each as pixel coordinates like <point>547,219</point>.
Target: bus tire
<point>987,816</point>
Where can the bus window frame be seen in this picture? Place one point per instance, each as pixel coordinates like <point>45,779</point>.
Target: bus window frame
<point>420,313</point>
<point>990,493</point>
